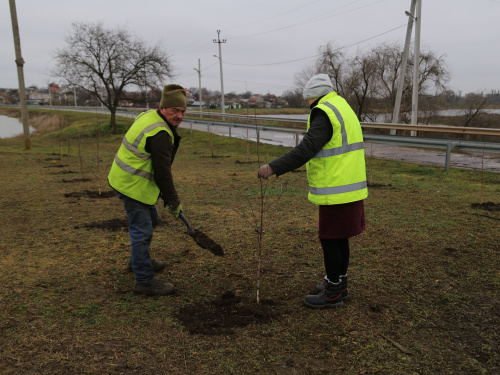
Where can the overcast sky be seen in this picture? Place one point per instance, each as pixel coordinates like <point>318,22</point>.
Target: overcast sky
<point>267,41</point>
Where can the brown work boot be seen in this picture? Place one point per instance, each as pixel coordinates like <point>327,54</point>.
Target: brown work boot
<point>155,288</point>
<point>157,265</point>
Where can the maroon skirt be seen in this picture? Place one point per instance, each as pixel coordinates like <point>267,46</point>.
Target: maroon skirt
<point>341,220</point>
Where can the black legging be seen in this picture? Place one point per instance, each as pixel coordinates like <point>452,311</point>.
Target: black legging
<point>336,256</point>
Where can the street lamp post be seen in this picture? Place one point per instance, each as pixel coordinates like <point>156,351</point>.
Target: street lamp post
<point>397,104</point>
<point>199,85</point>
<point>218,41</point>
<point>20,74</point>
<point>416,70</point>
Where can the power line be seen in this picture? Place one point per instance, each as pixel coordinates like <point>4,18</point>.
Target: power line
<point>313,19</point>
<point>319,54</point>
<point>276,15</point>
<point>253,22</point>
<point>309,20</point>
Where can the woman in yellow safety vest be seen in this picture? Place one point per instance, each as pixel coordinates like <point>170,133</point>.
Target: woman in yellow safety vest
<point>333,151</point>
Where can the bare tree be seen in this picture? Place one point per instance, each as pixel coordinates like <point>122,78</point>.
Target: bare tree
<point>362,84</point>
<point>368,79</point>
<point>333,62</point>
<point>105,61</point>
<point>294,98</point>
<point>474,104</point>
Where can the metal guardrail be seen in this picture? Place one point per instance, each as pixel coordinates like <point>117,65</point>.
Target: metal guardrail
<point>433,128</point>
<point>132,112</point>
<point>413,141</point>
<point>448,144</point>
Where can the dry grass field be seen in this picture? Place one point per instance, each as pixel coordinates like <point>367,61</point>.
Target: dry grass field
<point>424,277</point>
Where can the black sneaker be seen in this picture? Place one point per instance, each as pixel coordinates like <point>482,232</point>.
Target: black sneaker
<point>157,265</point>
<point>156,288</point>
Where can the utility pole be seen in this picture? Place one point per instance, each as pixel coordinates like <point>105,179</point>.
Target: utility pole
<point>221,77</point>
<point>199,85</point>
<point>416,68</point>
<point>20,74</point>
<point>397,104</point>
<point>74,95</point>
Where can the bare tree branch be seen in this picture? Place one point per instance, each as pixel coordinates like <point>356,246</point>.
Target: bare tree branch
<point>105,61</point>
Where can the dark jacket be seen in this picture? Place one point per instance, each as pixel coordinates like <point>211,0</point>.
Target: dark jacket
<point>319,134</point>
<point>162,156</point>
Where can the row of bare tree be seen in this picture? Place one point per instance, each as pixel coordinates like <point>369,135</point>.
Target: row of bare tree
<point>104,62</point>
<point>368,79</point>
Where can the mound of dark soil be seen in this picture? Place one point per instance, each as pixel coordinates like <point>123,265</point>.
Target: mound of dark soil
<point>114,225</point>
<point>375,185</point>
<point>76,180</point>
<point>220,316</point>
<point>488,206</point>
<point>56,166</point>
<point>90,194</point>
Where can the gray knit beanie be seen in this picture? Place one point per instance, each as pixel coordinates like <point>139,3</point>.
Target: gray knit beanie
<point>317,86</point>
<point>173,96</point>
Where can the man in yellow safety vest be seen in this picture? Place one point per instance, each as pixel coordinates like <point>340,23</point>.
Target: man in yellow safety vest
<point>140,174</point>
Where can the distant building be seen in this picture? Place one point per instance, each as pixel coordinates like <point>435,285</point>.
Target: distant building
<point>35,96</point>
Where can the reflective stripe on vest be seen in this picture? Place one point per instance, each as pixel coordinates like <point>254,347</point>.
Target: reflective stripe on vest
<point>132,147</point>
<point>345,146</point>
<point>338,189</point>
<point>131,170</point>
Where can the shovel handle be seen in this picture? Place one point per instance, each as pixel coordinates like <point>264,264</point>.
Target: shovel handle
<point>186,221</point>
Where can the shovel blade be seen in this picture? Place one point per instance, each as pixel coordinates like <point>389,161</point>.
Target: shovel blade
<point>205,242</point>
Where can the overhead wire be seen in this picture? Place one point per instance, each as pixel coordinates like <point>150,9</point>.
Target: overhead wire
<point>329,14</point>
<point>261,20</point>
<point>319,54</point>
<point>312,19</point>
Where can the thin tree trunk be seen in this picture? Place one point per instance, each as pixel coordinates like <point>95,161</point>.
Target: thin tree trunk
<point>112,121</point>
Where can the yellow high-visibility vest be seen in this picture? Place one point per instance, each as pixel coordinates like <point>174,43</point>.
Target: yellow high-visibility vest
<point>132,171</point>
<point>337,174</point>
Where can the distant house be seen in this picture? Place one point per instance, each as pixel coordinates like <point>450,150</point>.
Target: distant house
<point>4,99</point>
<point>257,101</point>
<point>197,104</point>
<point>125,103</point>
<point>35,96</point>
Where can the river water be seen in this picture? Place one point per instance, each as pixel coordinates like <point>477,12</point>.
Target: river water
<point>10,127</point>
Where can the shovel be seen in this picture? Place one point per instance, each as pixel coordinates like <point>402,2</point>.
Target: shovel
<point>201,239</point>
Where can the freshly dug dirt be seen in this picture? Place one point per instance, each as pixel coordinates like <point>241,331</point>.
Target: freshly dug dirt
<point>113,225</point>
<point>488,206</point>
<point>90,194</point>
<point>221,315</point>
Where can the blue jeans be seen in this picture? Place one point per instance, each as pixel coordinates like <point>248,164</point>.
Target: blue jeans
<point>143,218</point>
